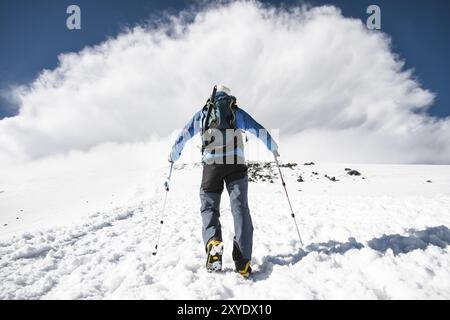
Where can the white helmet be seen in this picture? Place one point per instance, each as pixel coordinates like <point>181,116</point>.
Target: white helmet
<point>224,89</point>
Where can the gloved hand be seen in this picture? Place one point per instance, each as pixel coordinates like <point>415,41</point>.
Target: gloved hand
<point>275,153</point>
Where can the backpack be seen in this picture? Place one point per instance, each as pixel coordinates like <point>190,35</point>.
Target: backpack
<point>220,115</point>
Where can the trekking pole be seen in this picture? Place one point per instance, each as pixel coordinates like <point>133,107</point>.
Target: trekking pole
<point>166,186</point>
<point>289,201</point>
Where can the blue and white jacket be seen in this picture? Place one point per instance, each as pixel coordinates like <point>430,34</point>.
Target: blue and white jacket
<point>243,121</point>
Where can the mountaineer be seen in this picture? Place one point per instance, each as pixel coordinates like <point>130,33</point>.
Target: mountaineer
<point>221,123</point>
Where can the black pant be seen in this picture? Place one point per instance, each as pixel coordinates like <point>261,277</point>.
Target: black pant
<point>235,177</point>
<point>214,175</point>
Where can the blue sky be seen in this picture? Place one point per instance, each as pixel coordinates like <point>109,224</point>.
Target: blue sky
<point>33,33</point>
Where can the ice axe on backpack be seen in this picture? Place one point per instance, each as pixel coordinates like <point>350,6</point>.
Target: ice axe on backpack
<point>209,105</point>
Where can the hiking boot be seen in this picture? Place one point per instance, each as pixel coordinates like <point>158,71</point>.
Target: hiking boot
<point>243,268</point>
<point>214,251</point>
<point>242,264</point>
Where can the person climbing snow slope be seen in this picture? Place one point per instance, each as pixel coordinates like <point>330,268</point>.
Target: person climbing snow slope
<point>221,122</point>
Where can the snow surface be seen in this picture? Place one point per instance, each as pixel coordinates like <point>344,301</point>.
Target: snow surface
<point>381,235</point>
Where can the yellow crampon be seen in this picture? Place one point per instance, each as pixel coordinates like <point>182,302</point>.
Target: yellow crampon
<point>246,271</point>
<point>214,250</point>
<point>213,242</point>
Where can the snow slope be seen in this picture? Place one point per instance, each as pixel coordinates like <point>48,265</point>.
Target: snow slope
<point>381,235</point>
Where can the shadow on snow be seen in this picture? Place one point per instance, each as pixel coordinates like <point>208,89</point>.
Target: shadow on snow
<point>415,239</point>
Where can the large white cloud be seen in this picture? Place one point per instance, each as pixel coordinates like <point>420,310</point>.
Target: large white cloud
<point>333,88</point>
